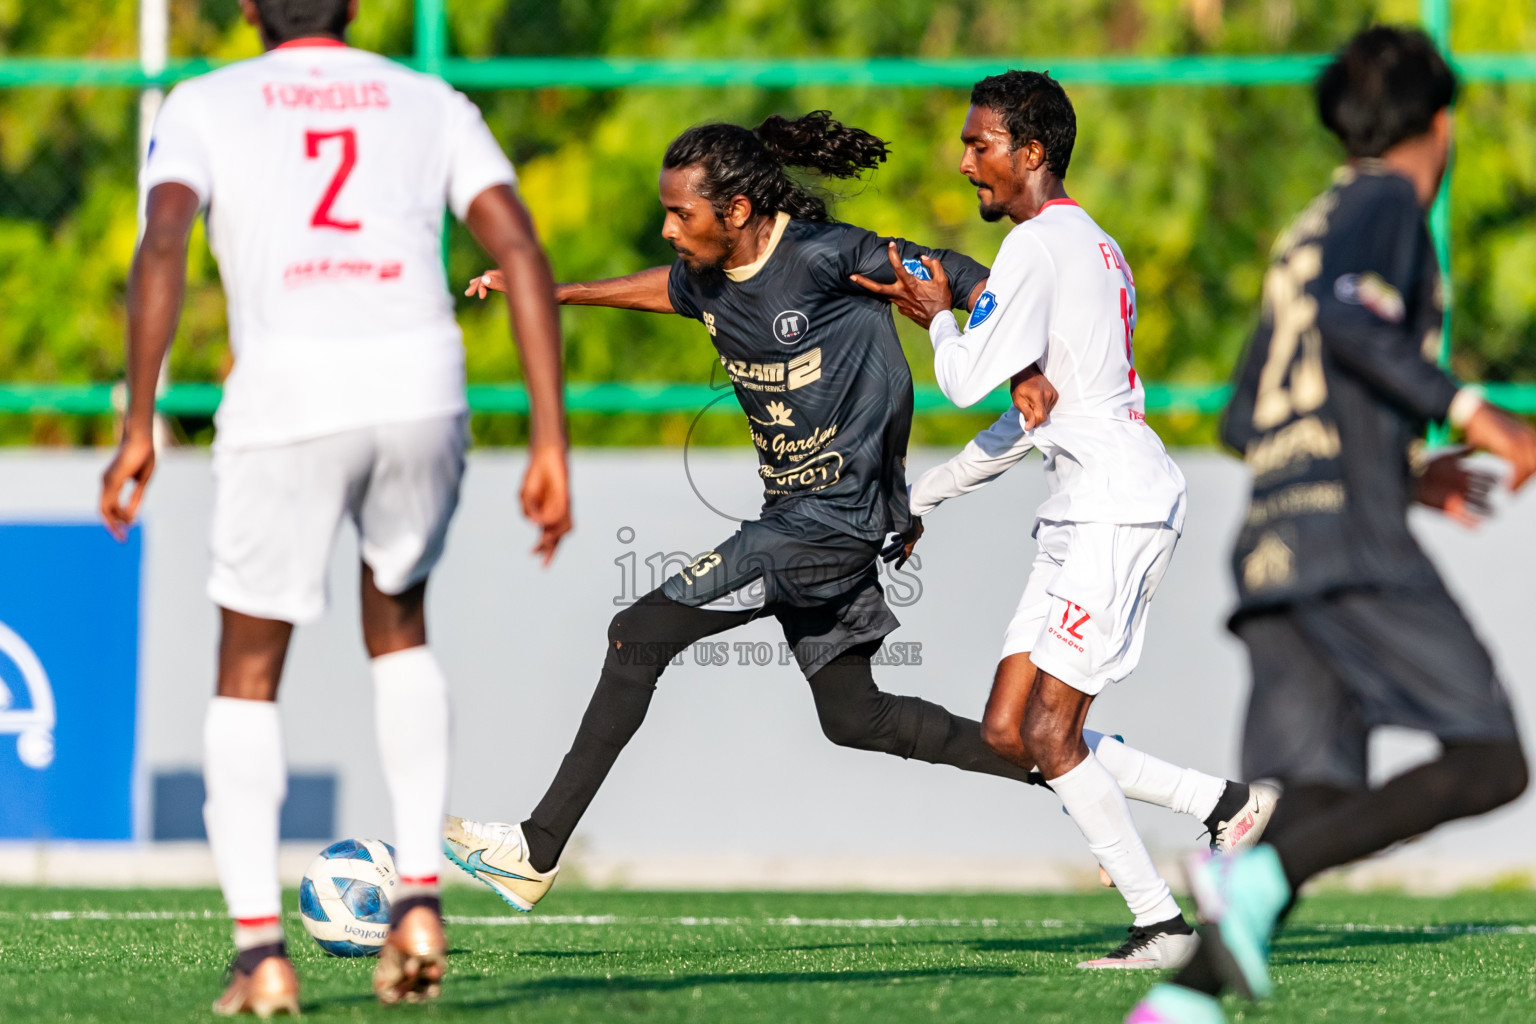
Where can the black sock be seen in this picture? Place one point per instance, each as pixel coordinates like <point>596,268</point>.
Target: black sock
<point>581,774</point>
<point>1200,973</point>
<point>642,640</point>
<point>1233,799</point>
<point>1466,780</point>
<point>964,748</point>
<point>246,960</point>
<point>400,908</point>
<point>544,847</point>
<point>854,712</point>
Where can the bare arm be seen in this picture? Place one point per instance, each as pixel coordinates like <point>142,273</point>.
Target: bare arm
<point>645,291</point>
<point>155,288</point>
<point>501,224</point>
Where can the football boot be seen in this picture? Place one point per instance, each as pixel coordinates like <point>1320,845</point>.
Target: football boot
<point>414,958</point>
<point>1155,947</point>
<point>1243,830</point>
<point>1241,898</point>
<point>268,988</point>
<point>496,854</point>
<point>1174,1004</point>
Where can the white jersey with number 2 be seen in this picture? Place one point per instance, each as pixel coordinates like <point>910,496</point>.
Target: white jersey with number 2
<point>325,171</point>
<point>1061,294</point>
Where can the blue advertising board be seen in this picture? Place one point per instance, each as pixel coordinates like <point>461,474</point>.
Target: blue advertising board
<point>69,681</point>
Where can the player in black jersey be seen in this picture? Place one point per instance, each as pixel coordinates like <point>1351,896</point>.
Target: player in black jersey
<point>1347,624</point>
<point>818,369</point>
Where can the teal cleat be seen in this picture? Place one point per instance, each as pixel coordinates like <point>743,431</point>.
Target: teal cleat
<point>1241,898</point>
<point>1175,1004</point>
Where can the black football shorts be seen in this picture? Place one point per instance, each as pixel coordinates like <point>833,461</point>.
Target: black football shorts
<point>1328,670</point>
<point>821,584</point>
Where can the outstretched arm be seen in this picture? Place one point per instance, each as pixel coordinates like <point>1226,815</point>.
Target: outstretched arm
<point>1006,331</point>
<point>501,224</point>
<point>155,287</point>
<point>645,291</point>
<point>983,459</point>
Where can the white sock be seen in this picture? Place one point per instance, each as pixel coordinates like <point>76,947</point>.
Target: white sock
<point>1097,806</point>
<point>246,780</point>
<point>411,715</point>
<point>1145,778</point>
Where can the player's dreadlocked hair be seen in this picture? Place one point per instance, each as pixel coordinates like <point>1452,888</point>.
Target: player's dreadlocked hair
<point>1033,106</point>
<point>750,162</point>
<point>1386,85</point>
<point>297,19</point>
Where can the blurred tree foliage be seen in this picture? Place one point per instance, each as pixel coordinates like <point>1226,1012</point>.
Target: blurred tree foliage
<point>1194,181</point>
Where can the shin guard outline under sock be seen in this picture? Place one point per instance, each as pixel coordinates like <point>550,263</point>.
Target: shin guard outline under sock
<point>412,722</point>
<point>1097,806</point>
<point>245,780</point>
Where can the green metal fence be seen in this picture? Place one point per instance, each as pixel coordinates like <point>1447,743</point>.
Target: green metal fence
<point>431,54</point>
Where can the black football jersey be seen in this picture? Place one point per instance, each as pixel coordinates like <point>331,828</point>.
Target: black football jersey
<point>818,369</point>
<point>1338,384</point>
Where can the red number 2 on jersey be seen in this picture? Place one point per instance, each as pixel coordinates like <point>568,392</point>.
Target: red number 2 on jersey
<point>322,216</point>
<point>1128,315</point>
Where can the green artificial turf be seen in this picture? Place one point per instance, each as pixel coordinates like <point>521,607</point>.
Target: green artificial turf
<point>784,958</point>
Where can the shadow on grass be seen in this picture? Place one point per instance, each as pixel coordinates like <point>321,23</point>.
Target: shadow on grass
<point>1074,943</point>
<point>550,954</point>
<point>540,989</point>
<point>1079,942</point>
<point>1302,939</point>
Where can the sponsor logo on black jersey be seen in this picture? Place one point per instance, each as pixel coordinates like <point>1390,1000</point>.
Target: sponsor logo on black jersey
<point>1271,563</point>
<point>796,373</point>
<point>781,446</point>
<point>1372,292</point>
<point>815,474</point>
<point>790,326</point>
<point>779,415</point>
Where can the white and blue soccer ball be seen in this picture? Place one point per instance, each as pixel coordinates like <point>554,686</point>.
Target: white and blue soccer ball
<point>345,896</point>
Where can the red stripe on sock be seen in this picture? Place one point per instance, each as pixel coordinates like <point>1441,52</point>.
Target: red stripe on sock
<point>420,880</point>
<point>256,922</point>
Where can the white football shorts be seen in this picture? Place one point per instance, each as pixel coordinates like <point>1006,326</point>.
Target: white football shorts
<point>1084,609</point>
<point>276,511</point>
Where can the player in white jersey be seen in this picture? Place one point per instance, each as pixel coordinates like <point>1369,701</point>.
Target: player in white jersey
<point>1057,319</point>
<point>325,172</point>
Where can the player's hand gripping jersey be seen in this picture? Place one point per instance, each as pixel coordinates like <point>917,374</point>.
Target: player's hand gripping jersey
<point>1061,294</point>
<point>325,171</point>
<point>818,368</point>
<point>1337,385</point>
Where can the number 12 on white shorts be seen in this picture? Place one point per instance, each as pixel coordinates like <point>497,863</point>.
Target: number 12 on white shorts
<point>1084,610</point>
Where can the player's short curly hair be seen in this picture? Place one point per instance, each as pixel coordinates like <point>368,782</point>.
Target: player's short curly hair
<point>1034,106</point>
<point>296,19</point>
<point>1386,85</point>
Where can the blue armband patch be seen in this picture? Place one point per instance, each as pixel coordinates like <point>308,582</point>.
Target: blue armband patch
<point>984,308</point>
<point>917,270</point>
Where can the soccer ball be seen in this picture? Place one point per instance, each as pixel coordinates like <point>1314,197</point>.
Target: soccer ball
<point>345,896</point>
